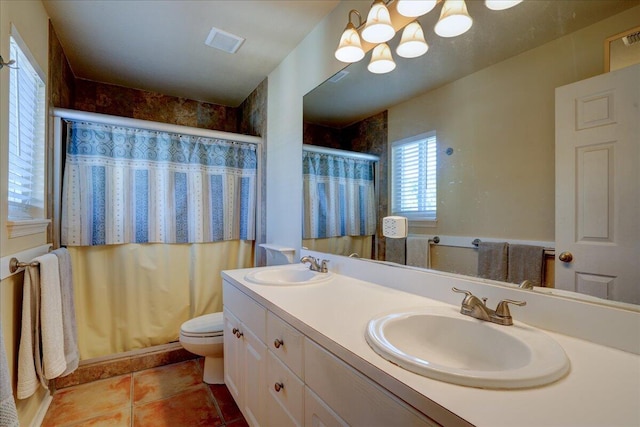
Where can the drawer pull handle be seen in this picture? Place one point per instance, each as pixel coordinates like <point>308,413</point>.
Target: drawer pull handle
<point>278,342</point>
<point>278,387</point>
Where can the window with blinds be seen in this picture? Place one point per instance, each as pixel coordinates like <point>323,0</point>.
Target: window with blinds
<point>26,136</point>
<point>413,177</point>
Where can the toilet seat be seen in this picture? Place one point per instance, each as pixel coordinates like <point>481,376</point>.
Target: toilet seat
<point>208,325</point>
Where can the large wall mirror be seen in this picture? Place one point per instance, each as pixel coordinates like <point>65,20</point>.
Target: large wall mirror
<point>489,96</point>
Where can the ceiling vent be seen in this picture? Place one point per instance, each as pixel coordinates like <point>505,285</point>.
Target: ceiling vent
<point>338,76</point>
<point>224,41</point>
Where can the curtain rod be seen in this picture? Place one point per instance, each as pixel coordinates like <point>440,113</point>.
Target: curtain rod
<point>337,152</point>
<point>150,125</point>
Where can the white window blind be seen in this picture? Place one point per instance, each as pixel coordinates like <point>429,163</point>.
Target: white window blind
<point>413,177</point>
<point>26,137</point>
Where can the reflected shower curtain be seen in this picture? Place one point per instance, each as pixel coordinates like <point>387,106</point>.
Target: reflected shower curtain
<point>339,196</point>
<point>150,220</point>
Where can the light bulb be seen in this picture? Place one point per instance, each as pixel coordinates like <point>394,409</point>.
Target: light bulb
<point>412,44</point>
<point>501,4</point>
<point>414,8</point>
<point>454,19</point>
<point>381,60</point>
<point>350,48</point>
<point>378,28</point>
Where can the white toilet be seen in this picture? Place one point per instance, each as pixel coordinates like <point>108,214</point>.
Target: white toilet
<point>203,336</point>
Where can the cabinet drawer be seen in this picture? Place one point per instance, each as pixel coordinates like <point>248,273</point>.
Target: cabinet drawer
<point>252,314</point>
<point>355,398</point>
<point>286,392</point>
<point>286,343</point>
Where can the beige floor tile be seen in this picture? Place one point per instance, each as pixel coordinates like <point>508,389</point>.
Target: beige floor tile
<point>165,381</point>
<point>192,408</point>
<point>86,401</point>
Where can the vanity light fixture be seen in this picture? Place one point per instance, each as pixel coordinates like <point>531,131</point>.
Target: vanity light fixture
<point>378,28</point>
<point>350,47</point>
<point>412,44</point>
<point>381,60</point>
<point>501,4</point>
<point>454,19</point>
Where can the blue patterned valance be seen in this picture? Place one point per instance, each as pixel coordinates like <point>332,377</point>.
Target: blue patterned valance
<point>126,185</point>
<point>339,196</point>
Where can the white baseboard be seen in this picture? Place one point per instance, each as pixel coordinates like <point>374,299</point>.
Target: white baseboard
<point>42,410</point>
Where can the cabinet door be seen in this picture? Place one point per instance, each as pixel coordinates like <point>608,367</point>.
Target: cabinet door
<point>354,397</point>
<point>286,394</point>
<point>233,356</point>
<point>253,379</point>
<point>318,414</point>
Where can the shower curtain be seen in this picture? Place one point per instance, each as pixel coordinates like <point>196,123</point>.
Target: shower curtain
<point>150,219</point>
<point>339,211</point>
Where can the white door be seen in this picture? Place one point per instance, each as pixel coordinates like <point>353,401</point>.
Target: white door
<point>598,186</point>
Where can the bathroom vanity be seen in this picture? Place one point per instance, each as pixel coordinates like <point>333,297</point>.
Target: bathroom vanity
<point>296,354</point>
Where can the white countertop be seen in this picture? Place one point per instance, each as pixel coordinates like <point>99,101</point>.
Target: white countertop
<point>602,388</point>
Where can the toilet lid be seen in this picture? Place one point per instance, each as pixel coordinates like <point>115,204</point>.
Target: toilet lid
<point>205,324</point>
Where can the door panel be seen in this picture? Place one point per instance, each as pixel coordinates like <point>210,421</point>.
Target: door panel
<point>598,185</point>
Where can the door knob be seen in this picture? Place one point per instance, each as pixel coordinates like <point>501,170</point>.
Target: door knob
<point>565,257</point>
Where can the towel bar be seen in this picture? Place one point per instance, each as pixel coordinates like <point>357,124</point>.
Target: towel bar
<point>548,252</point>
<point>14,264</point>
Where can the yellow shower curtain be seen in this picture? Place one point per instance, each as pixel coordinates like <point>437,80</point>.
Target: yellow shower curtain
<point>134,296</point>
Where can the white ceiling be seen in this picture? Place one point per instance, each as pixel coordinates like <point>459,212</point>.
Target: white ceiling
<point>159,45</point>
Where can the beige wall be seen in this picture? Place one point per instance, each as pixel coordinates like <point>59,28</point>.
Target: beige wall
<point>31,21</point>
<point>500,180</point>
<point>308,65</point>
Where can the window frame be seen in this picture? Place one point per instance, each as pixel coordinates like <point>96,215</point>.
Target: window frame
<point>424,218</point>
<point>28,219</point>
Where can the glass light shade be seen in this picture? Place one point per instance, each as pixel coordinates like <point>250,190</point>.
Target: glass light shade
<point>454,19</point>
<point>412,44</point>
<point>501,4</point>
<point>378,27</point>
<point>350,48</point>
<point>381,60</point>
<point>414,8</point>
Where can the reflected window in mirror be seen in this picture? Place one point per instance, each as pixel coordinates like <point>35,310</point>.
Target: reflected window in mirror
<point>413,177</point>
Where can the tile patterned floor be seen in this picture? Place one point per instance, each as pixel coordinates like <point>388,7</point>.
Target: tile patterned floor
<point>172,396</point>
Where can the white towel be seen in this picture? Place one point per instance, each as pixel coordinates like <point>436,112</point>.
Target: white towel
<point>41,353</point>
<point>8,411</point>
<point>69,326</point>
<point>29,350</point>
<point>53,357</point>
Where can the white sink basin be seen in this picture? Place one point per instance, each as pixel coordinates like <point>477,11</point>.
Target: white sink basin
<point>288,276</point>
<point>441,343</point>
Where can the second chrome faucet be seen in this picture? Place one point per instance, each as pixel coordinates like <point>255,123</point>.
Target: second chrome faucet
<point>477,308</point>
<point>315,264</point>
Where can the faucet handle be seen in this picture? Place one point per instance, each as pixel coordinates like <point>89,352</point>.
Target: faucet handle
<point>502,310</point>
<point>468,296</point>
<point>462,291</point>
<point>323,266</point>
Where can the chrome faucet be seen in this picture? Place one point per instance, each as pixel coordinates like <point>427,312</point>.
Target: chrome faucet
<point>526,284</point>
<point>477,308</point>
<point>315,264</point>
